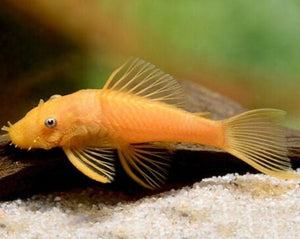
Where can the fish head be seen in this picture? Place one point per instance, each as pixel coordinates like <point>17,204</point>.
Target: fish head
<point>41,127</point>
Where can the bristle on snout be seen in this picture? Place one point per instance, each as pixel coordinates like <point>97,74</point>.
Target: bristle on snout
<point>6,128</point>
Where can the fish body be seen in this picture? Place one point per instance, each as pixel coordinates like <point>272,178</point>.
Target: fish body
<point>137,120</point>
<point>139,113</point>
<point>97,116</point>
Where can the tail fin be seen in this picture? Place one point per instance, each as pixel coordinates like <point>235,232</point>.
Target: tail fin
<point>256,138</point>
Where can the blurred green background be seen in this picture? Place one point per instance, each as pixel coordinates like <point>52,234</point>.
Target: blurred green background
<point>248,51</point>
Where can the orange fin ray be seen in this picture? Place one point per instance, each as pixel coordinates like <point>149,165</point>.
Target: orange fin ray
<point>96,163</point>
<point>256,138</point>
<point>143,79</point>
<point>147,164</point>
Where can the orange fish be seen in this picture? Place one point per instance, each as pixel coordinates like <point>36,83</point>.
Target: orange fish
<point>139,114</point>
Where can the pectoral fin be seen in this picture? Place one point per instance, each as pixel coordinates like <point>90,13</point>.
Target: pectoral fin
<point>96,163</point>
<point>147,164</point>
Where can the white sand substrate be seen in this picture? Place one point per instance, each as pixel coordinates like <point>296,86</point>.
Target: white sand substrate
<point>232,206</point>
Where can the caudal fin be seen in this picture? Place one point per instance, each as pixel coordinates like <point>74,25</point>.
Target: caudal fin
<point>256,138</point>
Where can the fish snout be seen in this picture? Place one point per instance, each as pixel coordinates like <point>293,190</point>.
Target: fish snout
<point>19,137</point>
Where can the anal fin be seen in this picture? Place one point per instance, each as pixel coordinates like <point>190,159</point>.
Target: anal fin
<point>96,163</point>
<point>147,164</point>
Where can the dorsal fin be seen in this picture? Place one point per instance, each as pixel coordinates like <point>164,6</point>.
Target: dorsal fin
<point>143,79</point>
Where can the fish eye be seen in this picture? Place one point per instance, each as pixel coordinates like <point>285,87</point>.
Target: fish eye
<point>50,122</point>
